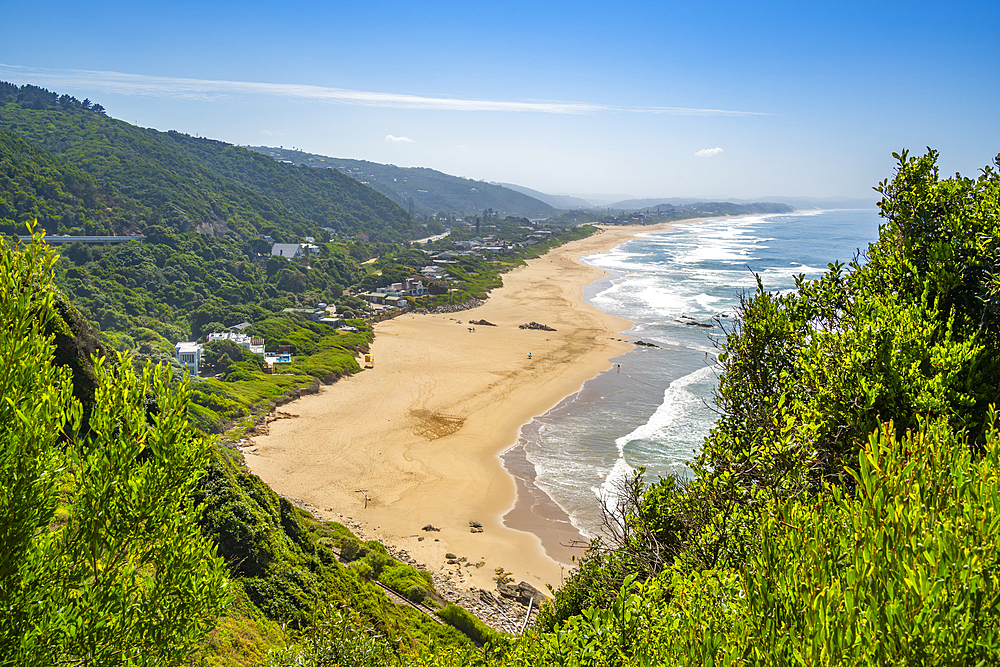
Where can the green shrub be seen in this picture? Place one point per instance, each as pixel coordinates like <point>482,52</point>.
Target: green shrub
<point>243,370</point>
<point>361,568</point>
<point>416,594</point>
<point>401,578</point>
<point>352,549</point>
<point>460,619</point>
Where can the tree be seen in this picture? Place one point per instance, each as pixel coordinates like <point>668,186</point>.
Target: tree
<point>101,558</point>
<point>908,337</point>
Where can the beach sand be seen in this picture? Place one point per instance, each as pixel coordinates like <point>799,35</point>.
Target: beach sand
<point>421,433</point>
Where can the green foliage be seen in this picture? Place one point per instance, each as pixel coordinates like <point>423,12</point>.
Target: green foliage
<point>424,190</point>
<point>324,197</point>
<point>186,184</point>
<point>803,538</point>
<point>35,185</point>
<point>334,638</point>
<point>284,561</point>
<point>242,636</point>
<point>219,355</point>
<point>124,575</point>
<point>404,579</point>
<point>900,572</point>
<point>473,628</point>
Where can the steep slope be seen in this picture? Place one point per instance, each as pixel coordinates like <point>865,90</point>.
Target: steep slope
<point>319,196</point>
<point>189,184</point>
<point>36,185</point>
<point>423,190</point>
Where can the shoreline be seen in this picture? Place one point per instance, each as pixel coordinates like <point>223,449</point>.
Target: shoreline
<point>422,434</point>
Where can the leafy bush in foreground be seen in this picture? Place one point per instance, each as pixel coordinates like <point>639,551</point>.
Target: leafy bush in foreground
<point>101,559</point>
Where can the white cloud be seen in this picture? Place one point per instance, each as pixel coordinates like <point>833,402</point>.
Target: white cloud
<point>709,152</point>
<point>163,86</point>
<point>389,139</point>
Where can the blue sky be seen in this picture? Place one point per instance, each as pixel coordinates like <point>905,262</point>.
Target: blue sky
<point>733,99</point>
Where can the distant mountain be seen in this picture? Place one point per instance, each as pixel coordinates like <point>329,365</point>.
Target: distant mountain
<point>171,179</point>
<point>565,202</point>
<point>419,190</point>
<point>638,204</point>
<point>601,198</point>
<point>828,202</point>
<point>797,202</point>
<point>664,212</point>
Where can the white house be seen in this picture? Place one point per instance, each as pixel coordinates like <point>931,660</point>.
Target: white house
<point>188,355</point>
<point>255,345</point>
<point>414,287</point>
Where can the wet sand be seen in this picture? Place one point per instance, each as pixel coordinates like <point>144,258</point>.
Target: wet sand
<point>422,432</point>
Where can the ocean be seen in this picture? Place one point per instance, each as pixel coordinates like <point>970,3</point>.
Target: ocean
<point>655,406</point>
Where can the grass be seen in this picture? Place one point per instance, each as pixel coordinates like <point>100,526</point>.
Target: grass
<point>218,405</point>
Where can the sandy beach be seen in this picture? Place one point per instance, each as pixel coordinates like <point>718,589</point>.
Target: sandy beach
<point>420,434</point>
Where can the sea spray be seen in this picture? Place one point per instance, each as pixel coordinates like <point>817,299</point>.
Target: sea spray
<point>677,287</point>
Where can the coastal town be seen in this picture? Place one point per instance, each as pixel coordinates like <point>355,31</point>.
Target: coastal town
<point>387,300</point>
<point>499,335</point>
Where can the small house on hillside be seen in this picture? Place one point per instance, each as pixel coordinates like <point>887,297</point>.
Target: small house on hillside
<point>293,250</point>
<point>286,250</point>
<point>188,355</point>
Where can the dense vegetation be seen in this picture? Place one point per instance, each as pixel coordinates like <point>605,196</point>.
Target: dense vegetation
<point>35,185</point>
<point>844,509</point>
<point>124,541</point>
<point>185,184</point>
<point>419,190</point>
<point>101,557</point>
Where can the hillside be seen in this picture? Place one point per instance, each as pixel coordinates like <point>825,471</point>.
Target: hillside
<point>797,202</point>
<point>424,190</point>
<point>666,213</point>
<point>556,201</point>
<point>189,184</point>
<point>36,185</point>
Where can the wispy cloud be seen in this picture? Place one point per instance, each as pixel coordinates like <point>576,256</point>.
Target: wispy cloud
<point>709,152</point>
<point>162,86</point>
<point>389,139</point>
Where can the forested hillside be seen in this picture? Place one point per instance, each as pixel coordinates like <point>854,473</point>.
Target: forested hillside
<point>127,538</point>
<point>426,191</point>
<point>188,184</point>
<point>36,185</point>
<point>844,511</point>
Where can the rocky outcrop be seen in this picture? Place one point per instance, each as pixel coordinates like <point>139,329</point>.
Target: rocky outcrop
<point>522,592</point>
